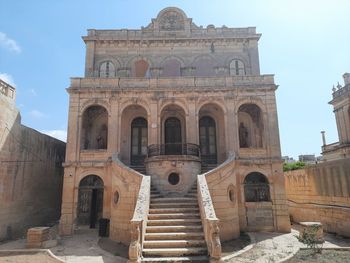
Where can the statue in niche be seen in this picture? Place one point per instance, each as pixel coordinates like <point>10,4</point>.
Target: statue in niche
<point>102,138</point>
<point>243,136</point>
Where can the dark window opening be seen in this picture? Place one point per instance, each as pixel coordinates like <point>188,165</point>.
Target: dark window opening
<point>173,178</point>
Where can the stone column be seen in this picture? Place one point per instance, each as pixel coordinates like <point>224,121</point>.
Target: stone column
<point>153,124</point>
<point>231,129</point>
<point>113,131</point>
<point>89,59</point>
<point>67,209</point>
<point>192,123</point>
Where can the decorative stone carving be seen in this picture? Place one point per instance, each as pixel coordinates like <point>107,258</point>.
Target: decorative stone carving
<point>135,245</point>
<point>171,20</point>
<point>214,244</point>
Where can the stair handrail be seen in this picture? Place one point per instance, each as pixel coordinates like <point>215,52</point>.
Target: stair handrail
<point>116,160</point>
<point>231,157</point>
<point>139,220</point>
<point>209,220</point>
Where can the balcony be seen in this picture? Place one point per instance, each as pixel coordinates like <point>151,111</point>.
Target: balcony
<point>173,149</point>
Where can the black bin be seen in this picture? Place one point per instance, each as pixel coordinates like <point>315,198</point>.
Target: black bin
<point>103,230</point>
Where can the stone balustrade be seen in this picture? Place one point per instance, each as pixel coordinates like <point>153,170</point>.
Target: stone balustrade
<point>7,90</point>
<point>209,220</point>
<point>139,220</point>
<point>194,83</point>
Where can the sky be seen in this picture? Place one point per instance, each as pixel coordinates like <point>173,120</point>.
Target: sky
<point>305,43</point>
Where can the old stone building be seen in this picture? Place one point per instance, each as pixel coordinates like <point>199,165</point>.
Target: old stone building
<point>321,192</point>
<point>31,173</point>
<point>173,136</point>
<point>341,106</point>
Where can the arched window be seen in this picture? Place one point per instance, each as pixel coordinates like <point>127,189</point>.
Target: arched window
<point>207,139</point>
<point>172,136</point>
<point>141,69</point>
<point>90,200</point>
<point>107,70</point>
<point>95,128</point>
<point>237,68</point>
<point>250,127</point>
<point>256,188</point>
<point>139,139</point>
<point>171,68</point>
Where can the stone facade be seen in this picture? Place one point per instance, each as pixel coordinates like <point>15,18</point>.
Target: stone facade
<point>31,175</point>
<point>341,105</point>
<point>321,192</point>
<point>174,98</point>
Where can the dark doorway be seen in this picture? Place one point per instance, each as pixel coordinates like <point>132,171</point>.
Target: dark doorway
<point>138,141</point>
<point>90,200</point>
<point>172,136</point>
<point>207,139</point>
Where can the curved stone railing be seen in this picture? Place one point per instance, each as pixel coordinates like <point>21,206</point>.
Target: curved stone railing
<point>139,220</point>
<point>209,220</point>
<point>222,167</point>
<point>122,166</point>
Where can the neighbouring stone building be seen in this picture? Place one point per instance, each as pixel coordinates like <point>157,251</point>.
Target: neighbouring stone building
<point>31,173</point>
<point>173,129</point>
<point>321,192</point>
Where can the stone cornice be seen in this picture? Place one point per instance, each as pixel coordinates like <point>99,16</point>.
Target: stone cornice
<point>210,34</point>
<point>182,84</point>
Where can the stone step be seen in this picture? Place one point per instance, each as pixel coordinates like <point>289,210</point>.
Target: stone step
<point>173,200</point>
<point>173,216</point>
<point>167,222</point>
<point>173,205</point>
<point>201,259</point>
<point>162,229</point>
<point>156,196</point>
<point>191,195</point>
<point>173,243</point>
<point>172,210</point>
<point>175,236</point>
<point>169,252</point>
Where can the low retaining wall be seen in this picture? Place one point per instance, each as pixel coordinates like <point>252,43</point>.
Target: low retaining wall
<point>321,193</point>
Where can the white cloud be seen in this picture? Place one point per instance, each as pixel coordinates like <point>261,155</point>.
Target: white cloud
<point>58,134</point>
<point>33,92</point>
<point>7,78</point>
<point>36,114</point>
<point>9,43</point>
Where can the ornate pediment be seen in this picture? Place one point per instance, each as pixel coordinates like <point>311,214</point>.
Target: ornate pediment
<point>169,20</point>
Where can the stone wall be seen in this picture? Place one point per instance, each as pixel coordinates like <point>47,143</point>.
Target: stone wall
<point>30,174</point>
<point>321,193</point>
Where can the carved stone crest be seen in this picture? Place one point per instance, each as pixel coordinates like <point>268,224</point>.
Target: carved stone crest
<point>171,20</point>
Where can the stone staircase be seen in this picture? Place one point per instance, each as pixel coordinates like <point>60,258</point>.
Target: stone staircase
<point>206,167</point>
<point>139,167</point>
<point>174,231</point>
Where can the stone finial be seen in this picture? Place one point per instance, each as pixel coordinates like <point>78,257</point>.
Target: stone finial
<point>338,86</point>
<point>334,89</point>
<point>346,77</point>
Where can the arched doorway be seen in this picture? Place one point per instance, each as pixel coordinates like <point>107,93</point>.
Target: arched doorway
<point>256,188</point>
<point>138,140</point>
<point>90,200</point>
<point>94,134</point>
<point>259,213</point>
<point>250,129</point>
<point>207,139</point>
<point>172,136</point>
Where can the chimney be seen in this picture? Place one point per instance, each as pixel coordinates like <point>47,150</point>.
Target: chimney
<point>346,77</point>
<point>323,138</point>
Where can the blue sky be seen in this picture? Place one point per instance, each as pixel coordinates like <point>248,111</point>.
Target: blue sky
<point>305,43</point>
